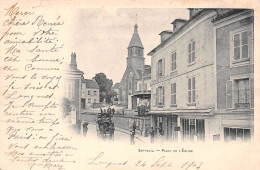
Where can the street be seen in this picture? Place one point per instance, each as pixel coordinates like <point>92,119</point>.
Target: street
<point>120,135</point>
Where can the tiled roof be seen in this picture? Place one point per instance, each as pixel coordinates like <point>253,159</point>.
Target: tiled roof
<point>116,86</point>
<point>91,84</point>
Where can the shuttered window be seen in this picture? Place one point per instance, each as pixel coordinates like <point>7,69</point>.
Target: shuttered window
<point>252,92</point>
<point>191,51</point>
<point>173,93</point>
<point>161,67</point>
<point>229,98</point>
<point>173,66</point>
<point>192,90</point>
<point>69,91</point>
<point>160,97</point>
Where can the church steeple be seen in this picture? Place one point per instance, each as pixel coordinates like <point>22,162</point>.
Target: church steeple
<point>136,27</point>
<point>136,50</point>
<point>135,41</point>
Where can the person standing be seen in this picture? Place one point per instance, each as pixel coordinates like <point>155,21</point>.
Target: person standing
<point>112,130</point>
<point>152,135</point>
<point>85,129</point>
<point>134,126</point>
<point>113,111</point>
<point>132,137</point>
<point>109,110</point>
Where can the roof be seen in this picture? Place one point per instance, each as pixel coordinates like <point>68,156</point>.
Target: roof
<point>135,41</point>
<point>227,13</point>
<point>181,29</point>
<point>166,31</point>
<point>180,20</point>
<point>116,86</point>
<point>146,73</point>
<point>91,84</point>
<point>136,72</point>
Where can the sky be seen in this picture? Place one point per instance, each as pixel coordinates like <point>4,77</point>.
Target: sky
<point>101,36</point>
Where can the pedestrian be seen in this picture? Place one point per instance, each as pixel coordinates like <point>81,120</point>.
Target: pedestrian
<point>109,110</point>
<point>85,129</point>
<point>132,137</point>
<point>152,135</point>
<point>134,125</point>
<point>101,111</point>
<point>113,111</point>
<point>111,131</point>
<point>160,133</point>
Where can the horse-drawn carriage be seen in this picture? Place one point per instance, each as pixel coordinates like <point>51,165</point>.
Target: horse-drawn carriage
<point>105,126</point>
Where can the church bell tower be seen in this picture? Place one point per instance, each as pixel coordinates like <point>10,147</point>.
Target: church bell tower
<point>136,50</point>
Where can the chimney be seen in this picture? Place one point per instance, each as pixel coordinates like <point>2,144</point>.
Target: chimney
<point>165,35</point>
<point>178,23</point>
<point>73,62</point>
<point>194,11</point>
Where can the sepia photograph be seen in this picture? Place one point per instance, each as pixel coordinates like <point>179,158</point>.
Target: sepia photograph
<point>163,75</point>
<point>122,85</point>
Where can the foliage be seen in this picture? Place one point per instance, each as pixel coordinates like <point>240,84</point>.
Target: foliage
<point>105,86</point>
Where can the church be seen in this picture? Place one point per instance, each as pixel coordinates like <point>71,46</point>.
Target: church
<point>134,71</point>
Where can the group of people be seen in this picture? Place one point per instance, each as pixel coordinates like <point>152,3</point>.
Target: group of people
<point>152,133</point>
<point>108,110</point>
<point>105,124</point>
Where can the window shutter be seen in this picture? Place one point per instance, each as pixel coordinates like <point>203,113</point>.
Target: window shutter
<point>194,51</point>
<point>157,69</point>
<point>163,96</point>
<point>229,98</point>
<point>252,92</point>
<point>163,66</point>
<point>156,102</point>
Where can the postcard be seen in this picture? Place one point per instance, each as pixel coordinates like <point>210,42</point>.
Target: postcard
<point>117,85</point>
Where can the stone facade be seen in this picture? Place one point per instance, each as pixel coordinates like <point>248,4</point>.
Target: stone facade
<point>135,64</point>
<point>72,81</point>
<point>187,79</point>
<point>90,93</point>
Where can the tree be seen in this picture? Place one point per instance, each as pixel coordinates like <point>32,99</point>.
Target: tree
<point>66,108</point>
<point>111,94</point>
<point>105,86</point>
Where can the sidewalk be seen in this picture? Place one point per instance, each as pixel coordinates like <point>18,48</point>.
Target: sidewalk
<point>145,140</point>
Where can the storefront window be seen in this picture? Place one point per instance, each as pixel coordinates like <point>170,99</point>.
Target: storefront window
<point>193,128</point>
<point>236,134</point>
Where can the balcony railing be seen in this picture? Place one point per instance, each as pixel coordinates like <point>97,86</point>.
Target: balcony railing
<point>143,92</point>
<point>242,99</point>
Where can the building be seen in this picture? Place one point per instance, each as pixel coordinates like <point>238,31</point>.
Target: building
<point>135,65</point>
<point>233,30</point>
<point>73,79</point>
<point>116,88</point>
<point>143,93</point>
<point>191,67</point>
<point>90,93</point>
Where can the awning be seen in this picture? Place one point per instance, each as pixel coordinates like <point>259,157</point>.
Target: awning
<point>180,112</point>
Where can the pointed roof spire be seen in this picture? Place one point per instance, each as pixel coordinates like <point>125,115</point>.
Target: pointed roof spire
<point>135,41</point>
<point>136,27</point>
